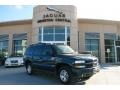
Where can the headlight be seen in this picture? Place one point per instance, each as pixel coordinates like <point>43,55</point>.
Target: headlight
<point>79,61</point>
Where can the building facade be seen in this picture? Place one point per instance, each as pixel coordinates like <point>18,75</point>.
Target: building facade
<point>58,24</point>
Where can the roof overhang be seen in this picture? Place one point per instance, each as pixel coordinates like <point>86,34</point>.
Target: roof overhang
<point>17,22</point>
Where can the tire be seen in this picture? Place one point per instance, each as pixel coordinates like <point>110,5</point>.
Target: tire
<point>29,69</point>
<point>65,75</point>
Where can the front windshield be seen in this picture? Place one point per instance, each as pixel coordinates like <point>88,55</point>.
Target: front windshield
<point>62,49</point>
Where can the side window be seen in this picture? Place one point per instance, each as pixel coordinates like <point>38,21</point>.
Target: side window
<point>38,50</point>
<point>47,51</point>
<point>29,51</point>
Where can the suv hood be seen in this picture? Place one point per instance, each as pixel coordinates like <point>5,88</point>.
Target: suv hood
<point>79,57</point>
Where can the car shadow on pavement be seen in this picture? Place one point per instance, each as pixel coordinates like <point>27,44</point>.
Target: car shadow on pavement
<point>53,78</point>
<point>18,76</point>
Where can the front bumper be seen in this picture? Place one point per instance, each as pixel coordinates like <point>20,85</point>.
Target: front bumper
<point>84,72</point>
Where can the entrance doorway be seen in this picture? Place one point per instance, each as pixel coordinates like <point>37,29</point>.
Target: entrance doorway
<point>118,53</point>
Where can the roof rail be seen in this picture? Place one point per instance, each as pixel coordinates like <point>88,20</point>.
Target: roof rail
<point>40,44</point>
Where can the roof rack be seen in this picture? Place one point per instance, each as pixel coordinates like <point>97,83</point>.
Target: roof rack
<point>40,44</point>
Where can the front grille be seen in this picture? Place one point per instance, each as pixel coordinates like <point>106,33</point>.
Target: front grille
<point>15,61</point>
<point>90,63</point>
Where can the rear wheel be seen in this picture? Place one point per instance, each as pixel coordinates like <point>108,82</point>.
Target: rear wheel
<point>65,75</point>
<point>29,68</point>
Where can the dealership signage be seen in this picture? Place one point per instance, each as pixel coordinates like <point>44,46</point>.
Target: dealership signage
<point>58,16</point>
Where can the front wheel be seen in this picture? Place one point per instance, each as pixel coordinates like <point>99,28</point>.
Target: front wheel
<point>29,68</point>
<point>65,75</point>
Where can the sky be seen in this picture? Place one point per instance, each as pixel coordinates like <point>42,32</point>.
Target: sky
<point>15,12</point>
<point>91,9</point>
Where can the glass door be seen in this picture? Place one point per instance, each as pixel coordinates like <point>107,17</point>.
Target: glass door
<point>118,53</point>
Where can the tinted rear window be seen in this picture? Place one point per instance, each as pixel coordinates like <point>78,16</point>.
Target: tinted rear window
<point>39,50</point>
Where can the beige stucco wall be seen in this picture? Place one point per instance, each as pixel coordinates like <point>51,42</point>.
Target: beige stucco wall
<point>70,13</point>
<point>16,29</point>
<point>76,25</point>
<point>99,28</point>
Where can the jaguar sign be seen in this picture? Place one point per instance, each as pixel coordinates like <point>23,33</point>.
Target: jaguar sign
<point>57,16</point>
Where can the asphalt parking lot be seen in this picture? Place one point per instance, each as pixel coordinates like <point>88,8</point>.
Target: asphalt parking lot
<point>109,74</point>
<point>18,76</point>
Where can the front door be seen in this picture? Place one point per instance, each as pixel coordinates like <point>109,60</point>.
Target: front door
<point>118,54</point>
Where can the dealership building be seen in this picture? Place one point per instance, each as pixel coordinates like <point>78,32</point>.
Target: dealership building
<point>58,24</point>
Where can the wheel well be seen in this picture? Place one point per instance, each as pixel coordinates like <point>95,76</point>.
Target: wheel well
<point>58,66</point>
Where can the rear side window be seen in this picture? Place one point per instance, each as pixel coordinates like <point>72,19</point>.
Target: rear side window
<point>29,51</point>
<point>38,50</point>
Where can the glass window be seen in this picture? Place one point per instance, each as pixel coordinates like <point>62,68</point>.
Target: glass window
<point>68,30</point>
<point>68,36</point>
<point>29,51</point>
<point>5,43</point>
<point>109,44</point>
<point>110,36</point>
<point>88,47</point>
<point>40,37</point>
<point>94,47</point>
<point>48,30</point>
<point>37,50</point>
<point>48,37</point>
<point>92,35</point>
<point>92,43</point>
<point>19,47</point>
<point>87,41</point>
<point>4,47</point>
<point>59,29</point>
<point>59,37</point>
<point>60,49</point>
<point>18,42</point>
<point>40,30</point>
<point>117,43</point>
<point>47,51</point>
<point>95,42</point>
<point>55,34</point>
<point>40,33</point>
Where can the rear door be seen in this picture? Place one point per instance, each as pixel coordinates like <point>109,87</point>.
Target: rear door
<point>43,57</point>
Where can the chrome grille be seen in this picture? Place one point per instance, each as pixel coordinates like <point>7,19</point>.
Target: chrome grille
<point>15,61</point>
<point>90,63</point>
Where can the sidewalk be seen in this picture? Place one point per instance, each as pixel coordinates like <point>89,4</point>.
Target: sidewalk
<point>108,75</point>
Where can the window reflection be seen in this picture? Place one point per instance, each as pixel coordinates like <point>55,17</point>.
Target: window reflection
<point>109,39</point>
<point>20,47</point>
<point>4,47</point>
<point>92,43</point>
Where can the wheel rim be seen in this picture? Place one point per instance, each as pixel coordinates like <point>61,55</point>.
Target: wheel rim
<point>64,75</point>
<point>29,69</point>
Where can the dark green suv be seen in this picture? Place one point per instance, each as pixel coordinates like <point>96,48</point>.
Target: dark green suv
<point>60,59</point>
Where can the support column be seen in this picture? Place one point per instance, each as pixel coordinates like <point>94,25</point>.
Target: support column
<point>102,48</point>
<point>10,44</point>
